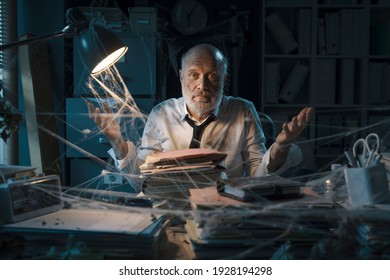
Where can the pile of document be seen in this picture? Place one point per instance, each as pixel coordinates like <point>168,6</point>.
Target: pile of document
<point>223,227</point>
<point>368,232</point>
<point>87,233</point>
<point>171,174</point>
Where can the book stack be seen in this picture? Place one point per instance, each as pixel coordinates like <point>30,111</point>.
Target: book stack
<point>379,86</point>
<point>171,174</point>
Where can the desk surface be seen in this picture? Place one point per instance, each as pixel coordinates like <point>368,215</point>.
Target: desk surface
<point>362,234</point>
<point>283,230</point>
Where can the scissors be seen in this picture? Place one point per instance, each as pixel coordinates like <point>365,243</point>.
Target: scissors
<point>364,150</point>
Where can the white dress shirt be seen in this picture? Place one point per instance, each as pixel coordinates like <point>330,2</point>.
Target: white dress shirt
<point>236,131</point>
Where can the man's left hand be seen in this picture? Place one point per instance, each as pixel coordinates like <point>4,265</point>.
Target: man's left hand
<point>292,130</point>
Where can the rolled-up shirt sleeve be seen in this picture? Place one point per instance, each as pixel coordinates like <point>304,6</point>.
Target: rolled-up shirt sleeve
<point>130,162</point>
<point>294,157</point>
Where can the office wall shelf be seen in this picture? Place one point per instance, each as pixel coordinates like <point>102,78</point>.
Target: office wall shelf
<point>344,46</point>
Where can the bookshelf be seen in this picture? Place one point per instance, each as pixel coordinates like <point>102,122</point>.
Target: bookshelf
<point>344,46</point>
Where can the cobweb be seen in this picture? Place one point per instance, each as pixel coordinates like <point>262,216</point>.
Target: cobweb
<point>320,224</point>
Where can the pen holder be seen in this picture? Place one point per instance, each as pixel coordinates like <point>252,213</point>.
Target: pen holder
<point>367,185</point>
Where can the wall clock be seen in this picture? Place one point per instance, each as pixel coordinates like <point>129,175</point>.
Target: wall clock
<point>189,16</point>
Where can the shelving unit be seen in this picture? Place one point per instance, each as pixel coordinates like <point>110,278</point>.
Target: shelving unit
<point>345,45</point>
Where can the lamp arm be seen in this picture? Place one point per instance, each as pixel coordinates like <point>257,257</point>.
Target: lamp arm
<point>75,19</point>
<point>60,33</point>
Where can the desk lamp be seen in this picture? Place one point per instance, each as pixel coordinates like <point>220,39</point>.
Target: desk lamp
<point>96,45</point>
<point>99,48</point>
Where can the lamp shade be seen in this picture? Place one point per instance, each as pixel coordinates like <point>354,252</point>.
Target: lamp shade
<point>99,48</point>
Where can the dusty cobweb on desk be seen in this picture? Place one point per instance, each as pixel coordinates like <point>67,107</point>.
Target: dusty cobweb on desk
<point>314,226</point>
<point>311,227</point>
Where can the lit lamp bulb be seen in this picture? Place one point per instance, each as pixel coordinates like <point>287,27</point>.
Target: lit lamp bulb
<point>109,60</point>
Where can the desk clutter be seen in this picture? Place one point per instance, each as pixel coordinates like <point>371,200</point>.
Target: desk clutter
<point>301,218</point>
<point>38,220</point>
<point>89,234</point>
<point>365,175</point>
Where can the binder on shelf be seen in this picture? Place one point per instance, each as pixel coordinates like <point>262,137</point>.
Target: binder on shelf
<point>326,82</point>
<point>381,39</point>
<point>346,31</point>
<point>321,36</point>
<point>322,134</point>
<point>336,143</point>
<point>304,31</point>
<point>293,83</point>
<point>282,36</point>
<point>386,84</point>
<point>332,32</point>
<point>375,82</point>
<point>347,81</point>
<point>359,27</point>
<point>271,82</point>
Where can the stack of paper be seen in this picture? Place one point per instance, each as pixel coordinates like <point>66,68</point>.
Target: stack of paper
<point>171,174</point>
<point>179,160</point>
<point>368,232</point>
<point>223,227</point>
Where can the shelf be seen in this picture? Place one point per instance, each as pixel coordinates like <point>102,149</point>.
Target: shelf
<point>288,3</point>
<point>341,6</point>
<point>347,52</point>
<point>287,56</point>
<point>327,56</point>
<point>295,105</point>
